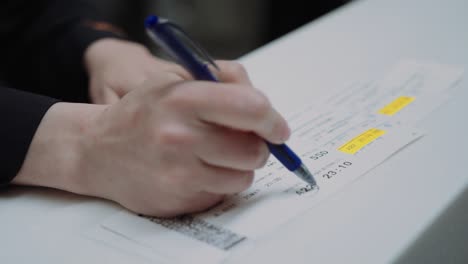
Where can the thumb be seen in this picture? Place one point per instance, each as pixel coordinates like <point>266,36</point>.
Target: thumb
<point>106,96</point>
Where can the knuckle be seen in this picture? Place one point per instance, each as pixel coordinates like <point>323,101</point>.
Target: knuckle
<point>175,136</point>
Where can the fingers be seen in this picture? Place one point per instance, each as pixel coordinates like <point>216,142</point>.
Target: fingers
<point>183,204</point>
<point>232,106</point>
<point>225,181</point>
<point>224,147</point>
<point>232,72</point>
<point>203,201</point>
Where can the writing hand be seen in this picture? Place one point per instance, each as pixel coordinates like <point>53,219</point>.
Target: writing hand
<point>168,147</point>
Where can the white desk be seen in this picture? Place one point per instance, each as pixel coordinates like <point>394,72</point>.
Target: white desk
<point>411,209</point>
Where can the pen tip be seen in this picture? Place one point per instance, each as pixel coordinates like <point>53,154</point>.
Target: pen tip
<point>304,173</point>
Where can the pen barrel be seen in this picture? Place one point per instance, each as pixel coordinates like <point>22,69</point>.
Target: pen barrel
<point>182,49</point>
<point>285,155</point>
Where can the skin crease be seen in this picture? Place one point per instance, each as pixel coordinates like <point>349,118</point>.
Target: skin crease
<point>154,141</point>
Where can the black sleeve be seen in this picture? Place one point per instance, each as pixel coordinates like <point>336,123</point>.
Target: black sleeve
<point>21,114</point>
<point>45,41</point>
<point>42,44</point>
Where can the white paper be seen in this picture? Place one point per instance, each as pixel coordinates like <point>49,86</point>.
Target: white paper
<point>429,83</point>
<point>319,132</point>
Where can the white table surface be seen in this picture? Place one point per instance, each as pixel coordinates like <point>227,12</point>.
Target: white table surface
<point>411,209</point>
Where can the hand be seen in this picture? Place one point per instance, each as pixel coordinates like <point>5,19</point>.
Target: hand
<point>169,147</point>
<point>115,67</point>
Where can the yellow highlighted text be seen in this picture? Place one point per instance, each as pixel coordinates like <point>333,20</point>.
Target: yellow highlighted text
<point>357,143</point>
<point>395,106</point>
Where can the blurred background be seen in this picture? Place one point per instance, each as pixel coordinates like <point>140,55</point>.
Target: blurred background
<point>227,29</point>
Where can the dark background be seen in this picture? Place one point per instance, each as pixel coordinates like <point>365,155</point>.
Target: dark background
<point>227,29</point>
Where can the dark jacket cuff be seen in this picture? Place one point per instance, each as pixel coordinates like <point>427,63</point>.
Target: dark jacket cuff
<point>22,113</point>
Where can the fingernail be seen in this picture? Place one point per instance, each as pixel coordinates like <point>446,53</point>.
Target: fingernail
<point>282,131</point>
<point>286,132</point>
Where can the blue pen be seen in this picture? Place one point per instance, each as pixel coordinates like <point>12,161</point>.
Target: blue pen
<point>179,46</point>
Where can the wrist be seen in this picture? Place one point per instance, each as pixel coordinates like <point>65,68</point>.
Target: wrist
<point>56,150</point>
